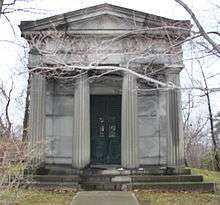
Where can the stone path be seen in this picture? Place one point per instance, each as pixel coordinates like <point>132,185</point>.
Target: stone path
<point>104,198</point>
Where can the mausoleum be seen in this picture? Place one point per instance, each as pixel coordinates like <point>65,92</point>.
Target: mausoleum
<point>105,89</point>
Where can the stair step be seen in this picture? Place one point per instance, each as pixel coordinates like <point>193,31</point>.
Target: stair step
<point>56,178</point>
<point>142,178</point>
<point>162,186</point>
<point>126,182</point>
<point>118,178</point>
<point>147,170</point>
<point>169,178</point>
<point>55,184</point>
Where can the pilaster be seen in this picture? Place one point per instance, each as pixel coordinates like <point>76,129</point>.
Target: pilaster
<point>129,122</point>
<point>81,136</point>
<point>37,118</point>
<point>175,141</point>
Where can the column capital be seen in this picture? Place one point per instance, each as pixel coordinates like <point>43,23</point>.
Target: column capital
<point>174,69</point>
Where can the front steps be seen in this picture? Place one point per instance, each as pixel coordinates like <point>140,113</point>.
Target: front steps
<point>146,182</point>
<point>105,170</point>
<point>120,182</point>
<point>157,186</point>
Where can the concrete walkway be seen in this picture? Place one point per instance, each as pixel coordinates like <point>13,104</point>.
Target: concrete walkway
<point>104,198</point>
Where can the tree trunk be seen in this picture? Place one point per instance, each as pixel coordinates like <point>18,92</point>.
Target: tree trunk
<point>215,147</point>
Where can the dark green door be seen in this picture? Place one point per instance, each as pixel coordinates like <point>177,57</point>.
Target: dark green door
<point>105,129</point>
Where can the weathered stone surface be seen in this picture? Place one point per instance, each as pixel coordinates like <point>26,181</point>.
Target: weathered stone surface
<point>106,86</point>
<point>121,179</point>
<point>63,105</point>
<point>37,118</point>
<point>129,142</point>
<point>168,178</point>
<point>81,136</point>
<point>59,127</point>
<point>105,198</point>
<point>110,171</point>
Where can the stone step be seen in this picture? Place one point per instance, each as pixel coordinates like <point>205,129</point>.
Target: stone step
<point>118,178</point>
<point>55,184</point>
<point>146,171</point>
<point>149,170</point>
<point>168,178</point>
<point>162,186</point>
<point>126,182</point>
<point>141,178</point>
<point>61,170</point>
<point>56,178</point>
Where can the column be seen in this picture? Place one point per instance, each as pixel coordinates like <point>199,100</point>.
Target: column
<point>129,140</point>
<point>81,136</point>
<point>37,118</point>
<point>175,140</point>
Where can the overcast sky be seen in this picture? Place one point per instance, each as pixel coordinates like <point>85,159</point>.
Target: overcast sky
<point>10,54</point>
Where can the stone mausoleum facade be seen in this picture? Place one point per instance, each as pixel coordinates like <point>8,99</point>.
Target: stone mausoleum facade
<point>105,88</point>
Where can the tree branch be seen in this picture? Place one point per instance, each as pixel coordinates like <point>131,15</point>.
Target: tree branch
<point>199,26</point>
<point>1,4</point>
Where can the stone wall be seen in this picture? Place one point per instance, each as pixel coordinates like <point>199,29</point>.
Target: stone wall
<point>59,123</point>
<point>153,128</point>
<point>152,121</point>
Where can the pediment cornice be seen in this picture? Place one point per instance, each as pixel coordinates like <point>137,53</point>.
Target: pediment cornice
<point>123,16</point>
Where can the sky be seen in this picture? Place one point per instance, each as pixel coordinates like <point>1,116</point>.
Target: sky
<point>12,46</point>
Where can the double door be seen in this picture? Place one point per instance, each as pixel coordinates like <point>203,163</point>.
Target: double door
<point>105,129</point>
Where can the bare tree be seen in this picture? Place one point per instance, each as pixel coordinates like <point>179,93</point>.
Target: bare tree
<point>5,6</point>
<point>215,46</point>
<point>6,97</point>
<point>211,120</point>
<point>211,47</point>
<point>217,128</point>
<point>195,131</point>
<point>26,112</point>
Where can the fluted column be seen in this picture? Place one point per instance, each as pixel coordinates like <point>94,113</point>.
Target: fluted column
<point>129,122</point>
<point>175,139</point>
<point>37,118</point>
<point>81,136</point>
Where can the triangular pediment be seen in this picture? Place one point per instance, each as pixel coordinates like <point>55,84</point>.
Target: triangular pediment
<point>100,17</point>
<point>104,21</point>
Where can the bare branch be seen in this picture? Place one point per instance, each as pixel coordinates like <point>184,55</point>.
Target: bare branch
<point>207,94</point>
<point>201,29</point>
<point>7,97</point>
<point>1,4</point>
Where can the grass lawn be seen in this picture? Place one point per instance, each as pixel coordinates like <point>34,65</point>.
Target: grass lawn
<point>184,198</point>
<point>36,196</point>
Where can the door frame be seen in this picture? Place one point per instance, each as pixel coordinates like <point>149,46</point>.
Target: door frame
<point>92,164</point>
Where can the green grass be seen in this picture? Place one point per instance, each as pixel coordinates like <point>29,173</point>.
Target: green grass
<point>179,198</point>
<point>208,176</point>
<point>35,196</point>
<point>184,198</point>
